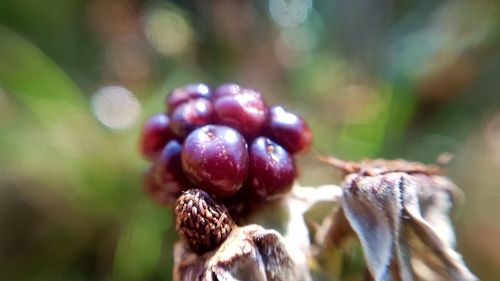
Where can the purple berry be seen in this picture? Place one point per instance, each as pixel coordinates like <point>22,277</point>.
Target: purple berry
<point>215,158</point>
<point>167,170</point>
<point>190,115</point>
<point>272,169</point>
<point>289,130</point>
<point>245,112</point>
<point>182,95</point>
<point>155,191</point>
<point>155,134</point>
<point>227,89</point>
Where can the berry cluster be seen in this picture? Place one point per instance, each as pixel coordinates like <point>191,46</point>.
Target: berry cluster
<point>227,142</point>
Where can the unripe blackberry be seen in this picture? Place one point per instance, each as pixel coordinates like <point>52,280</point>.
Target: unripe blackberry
<point>201,221</point>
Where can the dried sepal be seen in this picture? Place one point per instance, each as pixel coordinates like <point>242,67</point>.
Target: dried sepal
<point>249,253</point>
<point>392,204</point>
<point>382,166</point>
<point>373,208</point>
<point>434,230</point>
<point>299,205</point>
<point>308,207</point>
<point>201,221</point>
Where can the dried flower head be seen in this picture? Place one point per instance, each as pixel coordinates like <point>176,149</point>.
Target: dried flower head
<point>201,221</point>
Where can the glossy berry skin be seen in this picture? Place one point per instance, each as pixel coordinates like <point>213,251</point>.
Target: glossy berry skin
<point>155,134</point>
<point>244,111</point>
<point>227,89</point>
<point>184,94</point>
<point>167,170</point>
<point>190,115</point>
<point>215,158</point>
<point>272,169</point>
<point>289,130</point>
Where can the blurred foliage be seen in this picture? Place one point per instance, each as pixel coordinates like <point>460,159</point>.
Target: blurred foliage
<point>406,79</point>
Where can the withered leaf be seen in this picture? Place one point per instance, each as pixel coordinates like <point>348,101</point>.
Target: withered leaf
<point>435,229</point>
<point>373,207</point>
<point>386,203</point>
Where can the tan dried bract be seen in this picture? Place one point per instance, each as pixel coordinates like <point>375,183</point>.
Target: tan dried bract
<point>399,210</point>
<point>249,253</point>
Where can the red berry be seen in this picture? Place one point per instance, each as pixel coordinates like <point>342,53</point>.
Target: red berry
<point>155,134</point>
<point>181,95</point>
<point>289,130</point>
<point>160,195</point>
<point>190,115</point>
<point>272,169</point>
<point>168,171</point>
<point>215,158</point>
<point>244,111</point>
<point>227,89</point>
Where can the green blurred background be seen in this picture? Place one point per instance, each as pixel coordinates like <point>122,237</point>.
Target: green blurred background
<point>390,79</point>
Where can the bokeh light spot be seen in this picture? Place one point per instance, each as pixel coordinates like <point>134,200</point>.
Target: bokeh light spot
<point>293,46</point>
<point>168,31</point>
<point>115,107</point>
<point>289,13</point>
